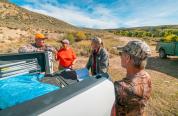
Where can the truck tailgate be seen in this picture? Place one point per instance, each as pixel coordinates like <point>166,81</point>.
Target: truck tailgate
<point>96,101</point>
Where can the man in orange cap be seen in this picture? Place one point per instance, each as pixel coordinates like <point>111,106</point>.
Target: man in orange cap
<point>38,46</point>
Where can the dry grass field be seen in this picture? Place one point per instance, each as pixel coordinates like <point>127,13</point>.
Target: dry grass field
<point>17,28</point>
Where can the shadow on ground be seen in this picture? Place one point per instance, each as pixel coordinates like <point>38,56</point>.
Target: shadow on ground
<point>168,66</point>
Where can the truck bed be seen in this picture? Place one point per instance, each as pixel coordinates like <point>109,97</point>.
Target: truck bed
<point>91,97</point>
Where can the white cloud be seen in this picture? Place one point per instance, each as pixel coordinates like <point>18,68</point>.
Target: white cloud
<point>129,14</point>
<point>164,13</point>
<point>101,18</point>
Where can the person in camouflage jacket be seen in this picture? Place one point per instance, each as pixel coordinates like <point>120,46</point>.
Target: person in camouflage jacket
<point>133,91</point>
<point>38,46</point>
<point>98,60</point>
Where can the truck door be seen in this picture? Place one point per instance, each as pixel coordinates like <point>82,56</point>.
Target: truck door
<point>170,48</point>
<point>176,49</point>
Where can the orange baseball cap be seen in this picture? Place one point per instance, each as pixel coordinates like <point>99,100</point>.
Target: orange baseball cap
<point>40,36</point>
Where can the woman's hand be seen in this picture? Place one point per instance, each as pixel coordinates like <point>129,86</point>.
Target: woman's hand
<point>74,62</point>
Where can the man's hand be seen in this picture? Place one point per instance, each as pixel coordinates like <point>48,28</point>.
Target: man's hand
<point>54,51</point>
<point>74,62</point>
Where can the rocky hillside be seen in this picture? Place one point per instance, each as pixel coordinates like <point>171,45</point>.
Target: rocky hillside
<point>18,26</point>
<point>15,17</point>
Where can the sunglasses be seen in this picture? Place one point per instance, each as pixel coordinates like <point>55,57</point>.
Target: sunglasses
<point>120,53</point>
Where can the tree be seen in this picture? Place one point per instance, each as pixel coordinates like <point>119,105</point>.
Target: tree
<point>80,36</point>
<point>70,37</point>
<point>161,34</point>
<point>128,33</point>
<point>148,34</point>
<point>144,34</point>
<point>170,38</point>
<point>140,34</point>
<point>133,34</point>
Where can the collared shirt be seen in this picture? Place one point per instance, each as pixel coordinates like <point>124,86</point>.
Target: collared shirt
<point>95,52</point>
<point>66,57</point>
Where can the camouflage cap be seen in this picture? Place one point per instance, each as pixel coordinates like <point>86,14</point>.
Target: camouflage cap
<point>136,48</point>
<point>96,40</point>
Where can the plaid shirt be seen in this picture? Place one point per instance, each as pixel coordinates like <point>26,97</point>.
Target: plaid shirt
<point>132,94</point>
<point>33,48</point>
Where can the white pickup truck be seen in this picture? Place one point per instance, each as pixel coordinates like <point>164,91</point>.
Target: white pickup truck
<point>93,96</point>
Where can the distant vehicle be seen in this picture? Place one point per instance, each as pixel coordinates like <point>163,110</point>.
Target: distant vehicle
<point>167,49</point>
<point>93,96</point>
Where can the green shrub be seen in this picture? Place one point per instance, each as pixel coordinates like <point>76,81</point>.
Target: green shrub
<point>80,36</point>
<point>171,38</point>
<point>70,37</point>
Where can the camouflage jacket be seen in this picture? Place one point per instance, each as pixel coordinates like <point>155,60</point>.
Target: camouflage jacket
<point>33,48</point>
<point>132,94</point>
<point>102,61</point>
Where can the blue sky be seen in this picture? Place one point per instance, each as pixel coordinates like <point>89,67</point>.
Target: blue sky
<point>104,14</point>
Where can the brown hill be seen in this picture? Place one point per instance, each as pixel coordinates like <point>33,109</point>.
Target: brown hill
<point>18,26</point>
<point>15,17</point>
